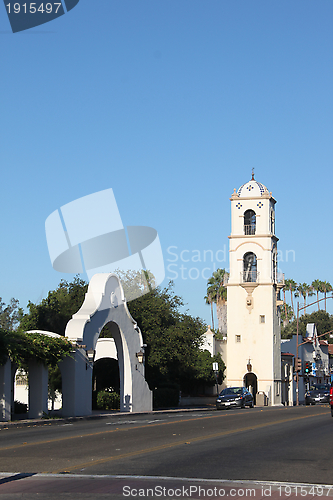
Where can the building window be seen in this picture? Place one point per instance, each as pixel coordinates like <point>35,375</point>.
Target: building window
<point>262,318</point>
<point>272,222</point>
<point>274,263</point>
<point>250,267</point>
<point>238,338</point>
<point>249,222</point>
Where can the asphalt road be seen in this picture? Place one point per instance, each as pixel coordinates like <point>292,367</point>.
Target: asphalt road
<point>263,444</point>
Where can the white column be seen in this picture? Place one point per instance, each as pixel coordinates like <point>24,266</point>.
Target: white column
<point>5,392</point>
<point>38,389</point>
<point>76,373</point>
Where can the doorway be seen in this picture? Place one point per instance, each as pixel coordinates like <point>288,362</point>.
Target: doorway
<point>251,383</point>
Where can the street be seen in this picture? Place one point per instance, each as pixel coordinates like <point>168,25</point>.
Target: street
<point>284,444</point>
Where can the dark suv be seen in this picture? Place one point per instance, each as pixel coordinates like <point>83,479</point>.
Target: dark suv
<point>318,393</point>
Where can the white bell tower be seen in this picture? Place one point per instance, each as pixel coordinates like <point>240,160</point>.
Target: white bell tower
<point>253,350</point>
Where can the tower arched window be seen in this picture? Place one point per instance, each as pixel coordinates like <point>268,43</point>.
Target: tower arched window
<point>274,263</point>
<point>272,222</point>
<point>249,222</point>
<point>250,273</point>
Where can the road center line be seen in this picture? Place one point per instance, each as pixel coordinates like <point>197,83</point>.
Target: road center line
<point>179,443</point>
<point>56,440</point>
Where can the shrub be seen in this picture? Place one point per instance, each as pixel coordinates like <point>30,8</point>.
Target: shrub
<point>108,400</point>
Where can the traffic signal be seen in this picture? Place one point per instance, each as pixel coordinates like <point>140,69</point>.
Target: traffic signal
<point>307,368</point>
<point>298,364</point>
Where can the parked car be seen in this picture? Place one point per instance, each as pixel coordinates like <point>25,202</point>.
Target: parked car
<point>318,393</point>
<point>234,397</point>
<point>331,398</point>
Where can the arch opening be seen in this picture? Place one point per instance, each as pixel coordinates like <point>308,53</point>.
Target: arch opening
<point>250,273</point>
<point>249,222</point>
<point>105,378</point>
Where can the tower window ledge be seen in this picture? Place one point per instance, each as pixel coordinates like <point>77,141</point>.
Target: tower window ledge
<point>262,235</point>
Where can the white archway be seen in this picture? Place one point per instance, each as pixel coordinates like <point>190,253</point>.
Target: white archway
<point>104,303</point>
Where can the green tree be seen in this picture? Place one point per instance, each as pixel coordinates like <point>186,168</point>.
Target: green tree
<point>216,291</point>
<point>204,371</point>
<point>54,312</point>
<point>10,315</point>
<point>208,300</point>
<point>136,283</point>
<point>287,314</point>
<point>325,288</point>
<point>291,285</point>
<point>173,338</point>
<point>302,291</point>
<point>309,291</point>
<point>322,319</point>
<point>316,286</point>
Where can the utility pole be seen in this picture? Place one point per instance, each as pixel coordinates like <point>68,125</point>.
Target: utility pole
<point>297,330</point>
<point>297,376</point>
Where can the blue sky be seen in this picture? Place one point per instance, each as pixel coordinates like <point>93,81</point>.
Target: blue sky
<point>171,104</point>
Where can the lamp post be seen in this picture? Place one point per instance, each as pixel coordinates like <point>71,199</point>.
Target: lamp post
<point>216,371</point>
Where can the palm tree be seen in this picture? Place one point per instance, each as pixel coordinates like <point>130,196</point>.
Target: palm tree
<point>301,290</point>
<point>291,285</point>
<point>216,289</point>
<point>326,287</point>
<point>284,301</point>
<point>309,291</point>
<point>209,300</point>
<point>317,286</point>
<point>287,315</point>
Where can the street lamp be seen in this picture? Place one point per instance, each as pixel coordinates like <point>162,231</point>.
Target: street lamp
<point>140,355</point>
<point>91,355</point>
